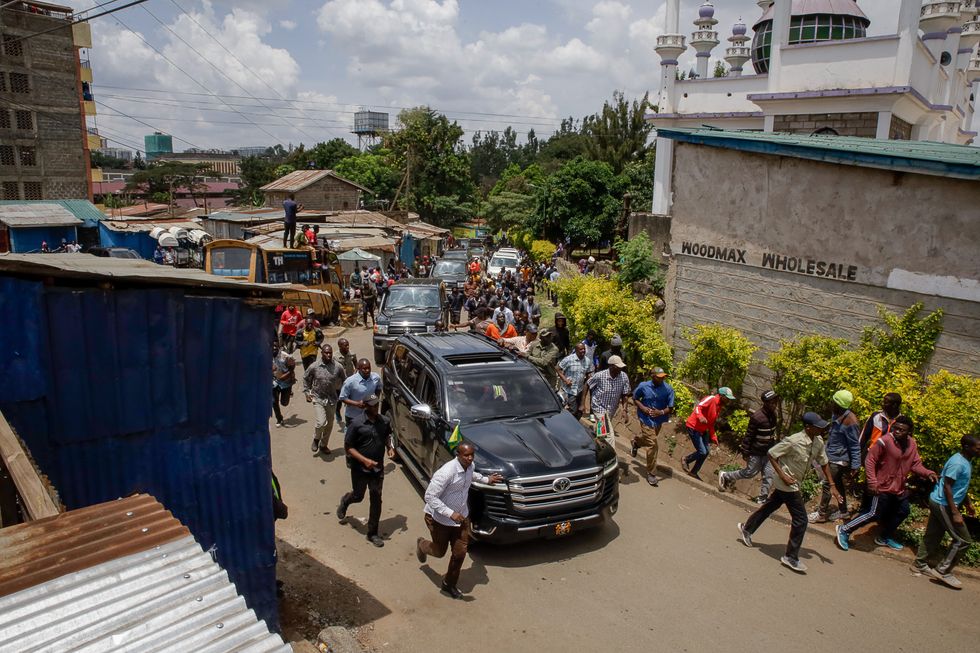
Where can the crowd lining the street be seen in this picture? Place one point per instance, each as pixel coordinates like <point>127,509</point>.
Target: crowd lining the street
<point>594,385</point>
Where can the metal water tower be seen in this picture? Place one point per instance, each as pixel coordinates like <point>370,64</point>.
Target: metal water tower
<point>369,127</point>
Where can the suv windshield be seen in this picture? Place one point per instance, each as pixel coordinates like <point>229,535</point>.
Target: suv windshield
<point>446,268</point>
<point>413,297</point>
<point>499,395</point>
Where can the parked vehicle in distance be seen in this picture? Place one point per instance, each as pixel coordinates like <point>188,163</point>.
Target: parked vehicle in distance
<point>503,260</point>
<point>409,306</point>
<point>455,254</point>
<point>558,478</point>
<point>451,272</point>
<point>114,252</point>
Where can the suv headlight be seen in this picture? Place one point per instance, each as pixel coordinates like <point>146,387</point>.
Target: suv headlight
<point>610,466</point>
<point>381,329</point>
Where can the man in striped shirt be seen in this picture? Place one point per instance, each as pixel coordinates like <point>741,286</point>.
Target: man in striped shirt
<point>447,514</point>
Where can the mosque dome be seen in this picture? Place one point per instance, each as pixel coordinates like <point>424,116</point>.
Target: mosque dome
<point>707,10</point>
<point>739,28</point>
<point>812,21</point>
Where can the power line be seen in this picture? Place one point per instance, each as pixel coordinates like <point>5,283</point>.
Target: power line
<point>235,57</point>
<point>208,61</point>
<point>187,74</point>
<point>80,20</point>
<point>183,140</point>
<point>58,119</point>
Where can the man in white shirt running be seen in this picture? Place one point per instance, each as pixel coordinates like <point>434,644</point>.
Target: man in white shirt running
<point>447,514</point>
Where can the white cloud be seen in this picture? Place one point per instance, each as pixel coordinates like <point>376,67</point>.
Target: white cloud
<point>287,24</point>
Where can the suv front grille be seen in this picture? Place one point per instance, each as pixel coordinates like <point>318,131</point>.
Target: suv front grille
<point>534,497</point>
<point>401,329</point>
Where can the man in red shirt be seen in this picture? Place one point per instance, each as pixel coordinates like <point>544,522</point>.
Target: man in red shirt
<point>890,461</point>
<point>701,425</point>
<point>288,324</point>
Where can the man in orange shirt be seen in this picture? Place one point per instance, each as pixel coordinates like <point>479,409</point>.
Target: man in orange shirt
<point>881,422</point>
<point>498,331</point>
<point>701,425</point>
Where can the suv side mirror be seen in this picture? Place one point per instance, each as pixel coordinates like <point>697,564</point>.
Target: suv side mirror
<point>422,411</point>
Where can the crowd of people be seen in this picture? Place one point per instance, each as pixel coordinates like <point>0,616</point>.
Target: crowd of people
<point>592,380</point>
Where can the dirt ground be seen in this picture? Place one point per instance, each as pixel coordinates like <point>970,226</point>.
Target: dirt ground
<point>669,574</point>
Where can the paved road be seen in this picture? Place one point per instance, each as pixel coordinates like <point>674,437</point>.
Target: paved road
<point>669,575</point>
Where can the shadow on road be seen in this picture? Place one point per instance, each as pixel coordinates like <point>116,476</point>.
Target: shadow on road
<point>778,550</point>
<point>315,596</point>
<point>528,554</point>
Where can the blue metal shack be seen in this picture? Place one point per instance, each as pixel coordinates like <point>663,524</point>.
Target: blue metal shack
<point>124,377</point>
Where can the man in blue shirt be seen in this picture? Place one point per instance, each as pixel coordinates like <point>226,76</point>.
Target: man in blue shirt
<point>654,403</point>
<point>359,386</point>
<point>945,517</point>
<point>290,209</point>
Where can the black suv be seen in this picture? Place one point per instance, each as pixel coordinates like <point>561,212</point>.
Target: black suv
<point>559,480</point>
<point>409,306</point>
<point>451,271</point>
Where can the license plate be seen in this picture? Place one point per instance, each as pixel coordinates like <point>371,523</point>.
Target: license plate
<point>564,528</point>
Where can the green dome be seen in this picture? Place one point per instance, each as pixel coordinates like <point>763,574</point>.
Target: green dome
<point>812,21</point>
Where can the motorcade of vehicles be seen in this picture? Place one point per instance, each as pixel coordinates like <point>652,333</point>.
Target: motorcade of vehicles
<point>503,260</point>
<point>559,479</point>
<point>409,306</point>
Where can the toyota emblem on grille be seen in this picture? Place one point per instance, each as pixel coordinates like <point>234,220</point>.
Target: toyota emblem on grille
<point>561,484</point>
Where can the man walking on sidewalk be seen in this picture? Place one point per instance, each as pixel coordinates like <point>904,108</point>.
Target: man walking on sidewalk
<point>447,514</point>
<point>888,466</point>
<point>945,516</point>
<point>606,391</point>
<point>759,438</point>
<point>844,454</point>
<point>368,436</point>
<point>791,458</point>
<point>654,401</point>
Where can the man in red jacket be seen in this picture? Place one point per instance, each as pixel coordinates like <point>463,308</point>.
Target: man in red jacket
<point>890,461</point>
<point>701,426</point>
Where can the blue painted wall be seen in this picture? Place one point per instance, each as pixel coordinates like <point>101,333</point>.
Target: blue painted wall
<point>29,239</point>
<point>140,242</point>
<point>151,390</point>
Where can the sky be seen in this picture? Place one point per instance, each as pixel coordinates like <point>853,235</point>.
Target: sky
<point>226,74</point>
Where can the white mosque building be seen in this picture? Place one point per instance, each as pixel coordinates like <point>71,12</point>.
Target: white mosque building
<point>814,70</point>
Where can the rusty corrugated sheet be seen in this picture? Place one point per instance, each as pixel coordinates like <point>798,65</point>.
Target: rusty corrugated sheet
<point>38,551</point>
<point>296,181</point>
<point>124,576</point>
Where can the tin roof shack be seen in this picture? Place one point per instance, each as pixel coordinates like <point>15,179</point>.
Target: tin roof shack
<point>38,222</point>
<point>123,376</point>
<point>135,234</point>
<point>315,190</point>
<point>779,235</point>
<point>122,575</point>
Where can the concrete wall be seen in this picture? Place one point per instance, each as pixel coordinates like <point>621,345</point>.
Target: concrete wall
<point>893,238</point>
<point>50,61</point>
<point>657,227</point>
<point>328,194</point>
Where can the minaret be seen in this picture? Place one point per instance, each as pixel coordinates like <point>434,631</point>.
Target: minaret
<point>669,46</point>
<point>763,4</point>
<point>936,19</point>
<point>705,38</point>
<point>738,53</point>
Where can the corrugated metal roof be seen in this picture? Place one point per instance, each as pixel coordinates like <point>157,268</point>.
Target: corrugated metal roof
<point>97,267</point>
<point>148,225</point>
<point>137,210</point>
<point>926,157</point>
<point>81,209</point>
<point>300,179</point>
<point>123,576</point>
<point>371,242</point>
<point>37,215</point>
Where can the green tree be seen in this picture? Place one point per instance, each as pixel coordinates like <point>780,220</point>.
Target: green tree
<point>429,150</point>
<point>637,180</point>
<point>282,170</point>
<point>619,133</point>
<point>720,70</point>
<point>100,160</point>
<point>138,162</point>
<point>507,210</point>
<point>322,156</point>
<point>638,262</point>
<point>908,337</point>
<point>580,200</point>
<point>255,173</point>
<point>372,171</point>
<point>564,145</point>
<point>719,356</point>
<point>169,177</point>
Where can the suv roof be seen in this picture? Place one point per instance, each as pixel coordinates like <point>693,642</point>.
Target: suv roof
<point>456,348</point>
